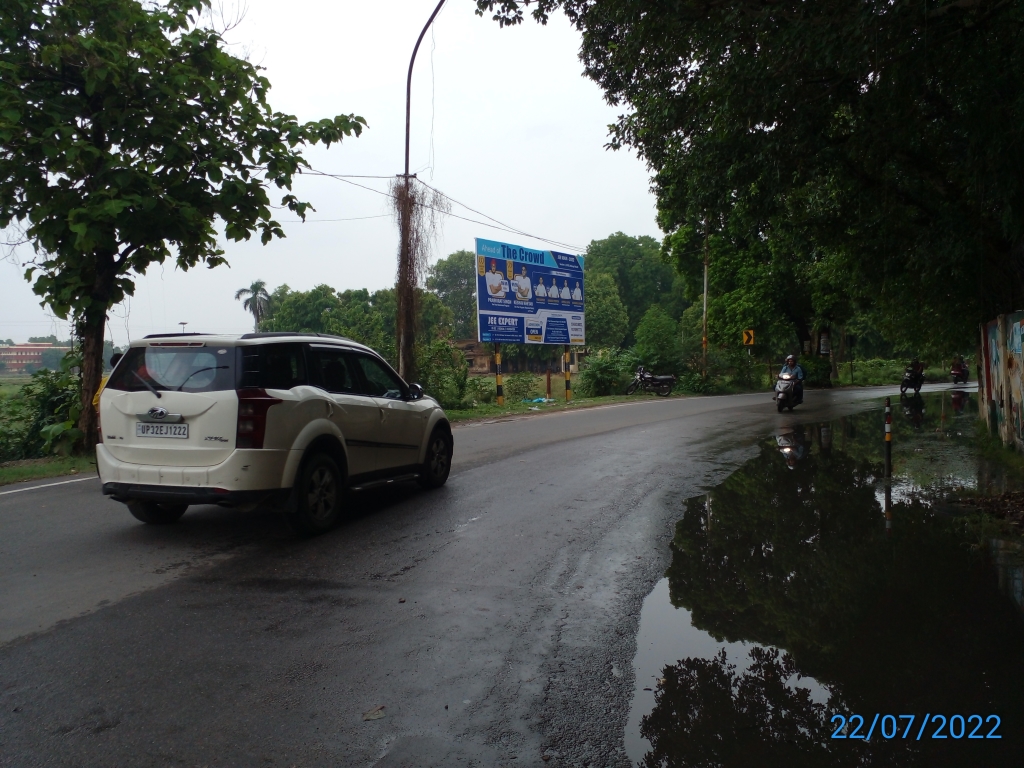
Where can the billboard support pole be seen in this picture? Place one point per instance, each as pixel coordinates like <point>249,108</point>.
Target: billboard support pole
<point>497,369</point>
<point>568,375</point>
<point>549,379</point>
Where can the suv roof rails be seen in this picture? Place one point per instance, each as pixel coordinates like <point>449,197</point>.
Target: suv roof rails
<point>279,334</point>
<point>172,335</point>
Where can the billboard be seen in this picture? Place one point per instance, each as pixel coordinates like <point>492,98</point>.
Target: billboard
<point>527,296</point>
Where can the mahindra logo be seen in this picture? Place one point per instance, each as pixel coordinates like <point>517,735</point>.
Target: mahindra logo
<point>157,412</point>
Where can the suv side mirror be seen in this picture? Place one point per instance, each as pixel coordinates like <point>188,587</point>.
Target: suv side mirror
<point>415,391</point>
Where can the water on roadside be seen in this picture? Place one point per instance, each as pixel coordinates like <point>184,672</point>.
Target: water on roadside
<point>801,623</point>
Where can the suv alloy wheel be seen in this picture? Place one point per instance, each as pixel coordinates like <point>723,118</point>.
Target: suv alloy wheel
<point>438,464</point>
<point>315,503</point>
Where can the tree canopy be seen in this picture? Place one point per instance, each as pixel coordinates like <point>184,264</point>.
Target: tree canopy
<point>641,276</point>
<point>127,132</point>
<point>453,280</point>
<point>873,144</point>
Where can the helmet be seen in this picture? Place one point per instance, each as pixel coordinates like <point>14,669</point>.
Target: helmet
<point>790,357</point>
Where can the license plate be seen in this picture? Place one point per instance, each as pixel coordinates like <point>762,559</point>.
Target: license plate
<point>145,429</point>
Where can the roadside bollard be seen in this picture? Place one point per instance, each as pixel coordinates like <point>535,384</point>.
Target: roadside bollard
<point>888,439</point>
<point>568,376</point>
<point>888,467</point>
<point>497,371</point>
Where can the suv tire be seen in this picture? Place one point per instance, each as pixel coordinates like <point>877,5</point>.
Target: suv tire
<point>316,499</point>
<point>435,470</point>
<point>156,514</point>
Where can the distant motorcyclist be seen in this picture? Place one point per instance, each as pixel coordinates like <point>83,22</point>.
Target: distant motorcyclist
<point>793,368</point>
<point>917,366</point>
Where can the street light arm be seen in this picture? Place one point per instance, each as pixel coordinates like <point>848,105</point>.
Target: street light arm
<point>408,83</point>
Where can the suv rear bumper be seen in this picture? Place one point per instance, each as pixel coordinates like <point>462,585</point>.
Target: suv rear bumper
<point>185,495</point>
<point>243,470</point>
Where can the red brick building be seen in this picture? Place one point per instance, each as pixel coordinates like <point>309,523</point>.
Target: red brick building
<point>16,358</point>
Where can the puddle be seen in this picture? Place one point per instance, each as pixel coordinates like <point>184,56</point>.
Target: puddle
<point>791,599</point>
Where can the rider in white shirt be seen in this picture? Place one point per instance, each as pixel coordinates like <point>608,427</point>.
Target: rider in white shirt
<point>566,294</point>
<point>494,279</point>
<point>523,291</point>
<point>577,295</point>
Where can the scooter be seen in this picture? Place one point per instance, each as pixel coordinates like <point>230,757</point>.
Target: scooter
<point>960,373</point>
<point>911,380</point>
<point>648,382</point>
<point>786,393</point>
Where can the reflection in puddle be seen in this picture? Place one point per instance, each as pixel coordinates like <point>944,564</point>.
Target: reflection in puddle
<point>788,600</point>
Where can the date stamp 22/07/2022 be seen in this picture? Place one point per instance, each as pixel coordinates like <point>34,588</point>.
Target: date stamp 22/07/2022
<point>910,727</point>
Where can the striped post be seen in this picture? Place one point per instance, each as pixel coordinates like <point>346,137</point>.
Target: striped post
<point>497,369</point>
<point>888,439</point>
<point>568,375</point>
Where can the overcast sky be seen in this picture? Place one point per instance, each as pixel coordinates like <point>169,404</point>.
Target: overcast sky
<point>503,121</point>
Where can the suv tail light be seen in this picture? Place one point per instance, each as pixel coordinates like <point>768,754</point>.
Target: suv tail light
<point>253,405</point>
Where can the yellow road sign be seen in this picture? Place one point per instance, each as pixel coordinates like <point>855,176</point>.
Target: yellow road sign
<point>748,337</point>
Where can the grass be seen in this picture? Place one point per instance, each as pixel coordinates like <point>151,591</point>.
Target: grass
<point>493,410</point>
<point>38,469</point>
<point>873,373</point>
<point>10,385</point>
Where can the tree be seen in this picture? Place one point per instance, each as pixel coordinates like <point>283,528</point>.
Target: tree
<point>453,279</point>
<point>256,300</point>
<point>657,342</point>
<point>313,311</point>
<point>641,276</point>
<point>880,137</point>
<point>607,321</point>
<point>126,131</point>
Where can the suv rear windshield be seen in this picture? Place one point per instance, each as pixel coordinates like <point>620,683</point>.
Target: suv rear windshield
<point>182,369</point>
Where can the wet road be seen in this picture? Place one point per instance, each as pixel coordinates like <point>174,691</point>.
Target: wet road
<point>494,620</point>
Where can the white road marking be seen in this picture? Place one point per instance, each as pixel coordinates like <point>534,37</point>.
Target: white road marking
<point>48,485</point>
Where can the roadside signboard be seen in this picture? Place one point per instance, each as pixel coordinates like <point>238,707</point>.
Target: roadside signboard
<point>748,337</point>
<point>527,296</point>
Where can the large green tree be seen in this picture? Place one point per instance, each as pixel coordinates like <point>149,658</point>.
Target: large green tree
<point>607,320</point>
<point>642,277</point>
<point>453,279</point>
<point>128,134</point>
<point>883,137</point>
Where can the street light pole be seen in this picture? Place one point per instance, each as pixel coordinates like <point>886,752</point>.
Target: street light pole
<point>405,290</point>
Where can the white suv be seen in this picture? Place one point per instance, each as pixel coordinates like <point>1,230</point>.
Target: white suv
<point>202,419</point>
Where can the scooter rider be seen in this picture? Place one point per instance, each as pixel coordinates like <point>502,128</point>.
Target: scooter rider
<point>793,368</point>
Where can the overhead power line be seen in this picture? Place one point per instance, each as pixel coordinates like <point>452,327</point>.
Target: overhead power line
<point>491,222</point>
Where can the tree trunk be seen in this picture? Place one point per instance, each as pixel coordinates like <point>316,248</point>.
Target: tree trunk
<point>90,331</point>
<point>90,328</point>
<point>405,289</point>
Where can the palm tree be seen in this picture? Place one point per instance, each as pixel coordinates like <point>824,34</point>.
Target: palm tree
<point>256,301</point>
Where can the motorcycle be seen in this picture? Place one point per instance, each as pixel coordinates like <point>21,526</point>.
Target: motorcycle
<point>911,380</point>
<point>960,373</point>
<point>786,393</point>
<point>648,382</point>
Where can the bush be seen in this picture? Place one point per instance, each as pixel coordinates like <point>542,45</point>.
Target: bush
<point>657,342</point>
<point>481,389</point>
<point>694,382</point>
<point>817,371</point>
<point>520,386</point>
<point>41,418</point>
<point>444,372</point>
<point>606,372</point>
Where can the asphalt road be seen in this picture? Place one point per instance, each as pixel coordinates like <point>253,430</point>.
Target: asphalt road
<point>494,620</point>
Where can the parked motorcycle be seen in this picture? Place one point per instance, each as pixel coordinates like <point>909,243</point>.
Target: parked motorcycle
<point>787,395</point>
<point>648,382</point>
<point>960,373</point>
<point>911,380</point>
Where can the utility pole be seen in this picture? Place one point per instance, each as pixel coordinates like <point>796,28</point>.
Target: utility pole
<point>405,290</point>
<point>704,336</point>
